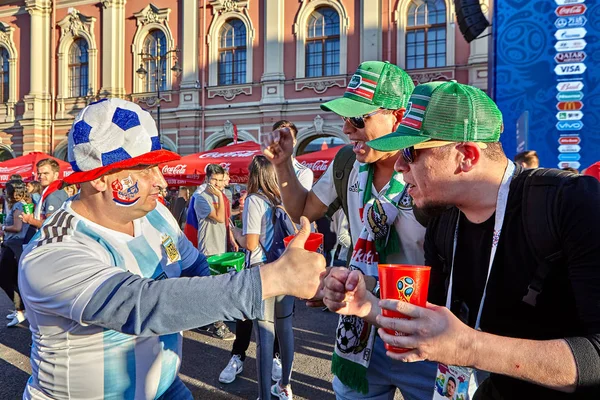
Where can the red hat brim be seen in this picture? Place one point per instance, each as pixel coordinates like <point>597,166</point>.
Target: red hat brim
<point>152,158</point>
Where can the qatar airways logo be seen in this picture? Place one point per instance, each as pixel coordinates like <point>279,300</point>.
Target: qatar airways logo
<point>319,165</point>
<point>178,169</point>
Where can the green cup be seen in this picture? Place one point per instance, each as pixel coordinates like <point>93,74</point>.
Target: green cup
<point>2,216</point>
<point>28,208</point>
<point>226,262</point>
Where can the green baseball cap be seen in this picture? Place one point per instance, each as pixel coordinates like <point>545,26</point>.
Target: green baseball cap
<point>374,85</point>
<point>448,111</point>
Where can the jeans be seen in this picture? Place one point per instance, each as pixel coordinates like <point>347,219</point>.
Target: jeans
<point>278,316</point>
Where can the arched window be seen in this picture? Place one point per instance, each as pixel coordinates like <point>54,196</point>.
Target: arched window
<point>426,34</point>
<point>154,51</point>
<point>78,68</point>
<point>4,74</point>
<point>232,53</point>
<point>323,43</point>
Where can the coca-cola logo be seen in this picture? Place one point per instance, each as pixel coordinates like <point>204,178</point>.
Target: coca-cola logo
<point>360,256</point>
<point>574,9</point>
<point>319,165</point>
<point>235,154</point>
<point>178,169</point>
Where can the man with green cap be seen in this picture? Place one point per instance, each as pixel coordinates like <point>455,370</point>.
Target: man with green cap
<point>514,257</point>
<point>382,224</point>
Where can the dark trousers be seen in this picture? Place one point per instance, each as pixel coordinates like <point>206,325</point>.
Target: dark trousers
<point>243,332</point>
<point>9,276</point>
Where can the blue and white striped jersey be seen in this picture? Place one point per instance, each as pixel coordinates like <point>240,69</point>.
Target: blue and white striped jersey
<point>68,260</point>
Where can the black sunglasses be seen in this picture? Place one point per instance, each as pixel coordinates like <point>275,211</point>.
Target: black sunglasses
<point>409,155</point>
<point>359,122</point>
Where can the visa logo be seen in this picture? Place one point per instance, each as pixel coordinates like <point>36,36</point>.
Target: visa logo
<point>570,69</point>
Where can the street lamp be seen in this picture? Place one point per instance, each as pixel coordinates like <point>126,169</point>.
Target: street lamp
<point>143,73</point>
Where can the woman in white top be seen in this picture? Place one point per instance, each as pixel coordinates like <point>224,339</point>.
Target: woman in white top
<point>257,237</point>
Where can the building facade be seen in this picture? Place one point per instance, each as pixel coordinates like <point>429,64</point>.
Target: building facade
<point>212,69</point>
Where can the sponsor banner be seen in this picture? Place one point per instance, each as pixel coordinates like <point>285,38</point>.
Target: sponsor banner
<point>564,2</point>
<point>570,57</point>
<point>569,96</point>
<point>569,148</point>
<point>570,10</point>
<point>572,139</point>
<point>569,115</point>
<point>568,45</point>
<point>569,125</point>
<point>570,22</point>
<point>569,86</point>
<point>318,165</point>
<point>569,105</point>
<point>569,157</point>
<point>233,154</point>
<point>573,164</point>
<point>570,33</point>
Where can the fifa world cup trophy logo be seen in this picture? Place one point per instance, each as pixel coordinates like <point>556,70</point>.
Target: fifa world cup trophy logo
<point>406,288</point>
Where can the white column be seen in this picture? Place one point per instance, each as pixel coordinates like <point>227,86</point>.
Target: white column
<point>189,95</point>
<point>188,39</point>
<point>273,75</point>
<point>370,30</point>
<point>113,48</point>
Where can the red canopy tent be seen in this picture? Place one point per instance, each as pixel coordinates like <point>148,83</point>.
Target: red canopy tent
<point>190,170</point>
<point>25,166</point>
<point>319,161</point>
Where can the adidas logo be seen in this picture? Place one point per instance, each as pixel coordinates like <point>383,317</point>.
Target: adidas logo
<point>354,188</point>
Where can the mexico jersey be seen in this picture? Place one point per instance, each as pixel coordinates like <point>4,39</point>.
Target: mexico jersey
<point>66,262</point>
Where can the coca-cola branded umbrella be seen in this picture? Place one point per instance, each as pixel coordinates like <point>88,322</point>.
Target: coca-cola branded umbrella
<point>25,166</point>
<point>191,169</point>
<point>319,161</point>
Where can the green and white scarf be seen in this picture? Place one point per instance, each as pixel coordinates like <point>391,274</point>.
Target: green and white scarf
<point>378,238</point>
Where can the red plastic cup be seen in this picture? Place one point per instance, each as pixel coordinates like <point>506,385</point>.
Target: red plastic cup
<point>408,283</point>
<point>313,243</point>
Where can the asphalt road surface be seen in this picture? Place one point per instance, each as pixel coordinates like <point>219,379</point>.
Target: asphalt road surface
<point>203,359</point>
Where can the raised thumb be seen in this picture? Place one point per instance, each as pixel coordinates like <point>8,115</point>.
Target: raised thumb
<point>302,235</point>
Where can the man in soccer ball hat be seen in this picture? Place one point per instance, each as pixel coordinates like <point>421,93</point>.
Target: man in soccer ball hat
<point>111,281</point>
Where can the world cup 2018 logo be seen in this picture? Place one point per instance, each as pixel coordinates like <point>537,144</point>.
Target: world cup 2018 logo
<point>406,288</point>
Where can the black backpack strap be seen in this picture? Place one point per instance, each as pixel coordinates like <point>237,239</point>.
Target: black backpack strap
<point>540,214</point>
<point>444,237</point>
<point>342,165</point>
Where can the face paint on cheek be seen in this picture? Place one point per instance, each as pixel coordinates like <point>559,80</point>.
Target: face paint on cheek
<point>125,192</point>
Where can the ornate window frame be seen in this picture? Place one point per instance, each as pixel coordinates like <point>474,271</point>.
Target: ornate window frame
<point>401,19</point>
<point>7,110</point>
<point>74,26</point>
<point>149,19</point>
<point>306,9</point>
<point>224,10</point>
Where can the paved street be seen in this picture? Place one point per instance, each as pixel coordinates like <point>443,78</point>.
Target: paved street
<point>204,357</point>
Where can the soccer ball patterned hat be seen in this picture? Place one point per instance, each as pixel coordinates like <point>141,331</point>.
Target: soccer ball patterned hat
<point>374,85</point>
<point>447,111</point>
<point>113,134</point>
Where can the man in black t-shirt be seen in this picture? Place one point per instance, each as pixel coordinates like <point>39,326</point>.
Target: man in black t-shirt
<point>546,350</point>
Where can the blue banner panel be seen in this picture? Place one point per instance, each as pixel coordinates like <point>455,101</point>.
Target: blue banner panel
<point>546,67</point>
